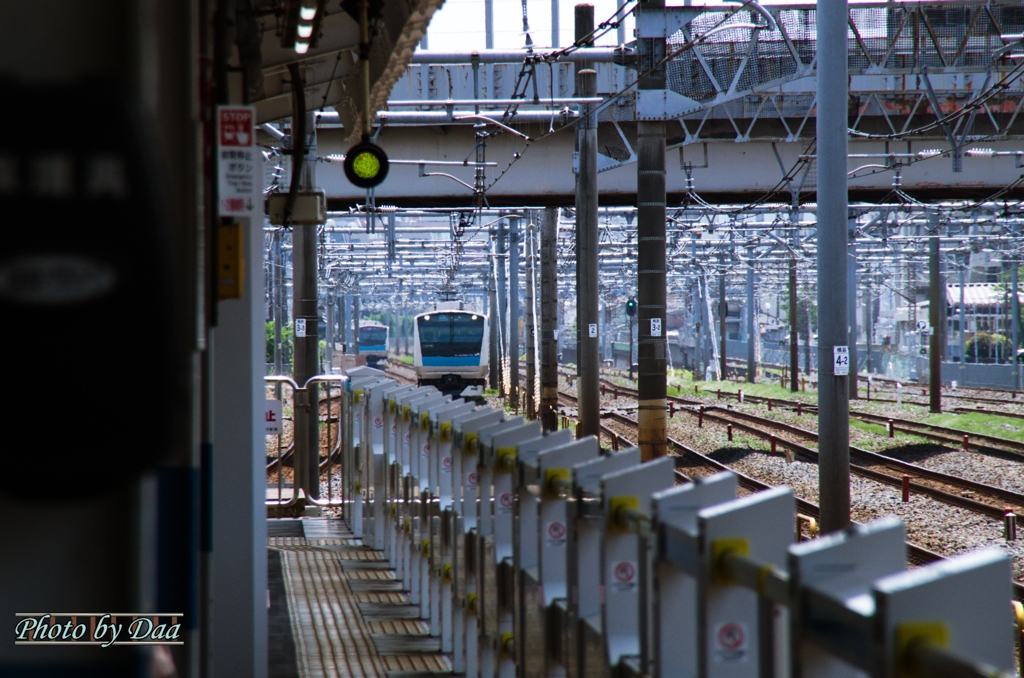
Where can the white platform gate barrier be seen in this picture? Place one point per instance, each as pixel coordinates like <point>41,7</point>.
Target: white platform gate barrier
<point>538,555</point>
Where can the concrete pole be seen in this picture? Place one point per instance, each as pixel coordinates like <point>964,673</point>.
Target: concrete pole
<point>651,279</point>
<point>833,220</point>
<point>355,323</point>
<point>1015,309</point>
<point>306,360</point>
<point>869,330</point>
<point>549,319</point>
<point>588,358</point>
<point>752,335</point>
<point>555,28</point>
<point>794,341</point>
<point>530,315</point>
<point>280,315</point>
<point>851,310</point>
<point>346,323</point>
<point>620,30</point>
<point>494,377</point>
<point>963,313</point>
<point>935,308</point>
<point>329,350</point>
<point>722,312</point>
<point>489,24</point>
<point>502,307</point>
<point>513,316</point>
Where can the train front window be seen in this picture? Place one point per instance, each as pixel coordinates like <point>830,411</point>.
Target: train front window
<point>373,336</point>
<point>450,334</point>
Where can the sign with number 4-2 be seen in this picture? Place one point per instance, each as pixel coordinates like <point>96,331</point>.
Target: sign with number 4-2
<point>841,360</point>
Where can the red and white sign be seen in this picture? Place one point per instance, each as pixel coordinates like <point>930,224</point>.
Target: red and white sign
<point>473,478</point>
<point>378,422</point>
<point>239,162</point>
<point>446,465</point>
<point>505,503</point>
<point>623,577</point>
<point>731,642</point>
<point>272,417</point>
<point>555,534</point>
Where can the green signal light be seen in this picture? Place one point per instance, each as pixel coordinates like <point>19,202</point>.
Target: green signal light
<point>366,165</point>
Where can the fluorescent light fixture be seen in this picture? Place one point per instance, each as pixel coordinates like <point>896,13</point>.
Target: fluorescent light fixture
<point>301,46</point>
<point>305,30</point>
<point>307,13</point>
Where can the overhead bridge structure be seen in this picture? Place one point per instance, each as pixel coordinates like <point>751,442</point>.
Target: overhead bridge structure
<point>935,89</point>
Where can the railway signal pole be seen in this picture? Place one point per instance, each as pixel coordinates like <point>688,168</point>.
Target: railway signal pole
<point>549,319</point>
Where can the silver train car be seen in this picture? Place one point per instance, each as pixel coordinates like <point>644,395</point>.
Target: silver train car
<point>450,349</point>
<point>373,342</point>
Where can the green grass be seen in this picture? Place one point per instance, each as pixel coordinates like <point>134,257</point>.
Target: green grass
<point>763,390</point>
<point>407,359</point>
<point>877,429</point>
<point>989,424</point>
<point>490,391</point>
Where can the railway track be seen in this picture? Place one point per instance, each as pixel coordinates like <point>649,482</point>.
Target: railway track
<point>996,446</point>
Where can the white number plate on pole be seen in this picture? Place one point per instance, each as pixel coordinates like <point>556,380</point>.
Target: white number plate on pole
<point>841,360</point>
<point>592,329</point>
<point>272,417</point>
<point>655,327</point>
<point>300,327</point>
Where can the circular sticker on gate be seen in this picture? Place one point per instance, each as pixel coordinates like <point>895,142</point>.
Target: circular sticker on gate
<point>624,572</point>
<point>731,636</point>
<point>556,531</point>
<point>426,448</point>
<point>731,643</point>
<point>505,500</point>
<point>378,422</point>
<point>447,463</point>
<point>472,478</point>
<point>407,438</point>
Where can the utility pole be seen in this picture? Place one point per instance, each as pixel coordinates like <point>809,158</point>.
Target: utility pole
<point>851,307</point>
<point>963,330</point>
<point>355,323</point>
<point>751,323</point>
<point>549,319</point>
<point>280,316</point>
<point>833,221</point>
<point>1015,309</point>
<point>869,328</point>
<point>794,345</point>
<point>936,304</point>
<point>488,24</point>
<point>502,307</point>
<point>513,316</point>
<point>651,280</point>
<point>307,319</point>
<point>588,359</point>
<point>492,309</point>
<point>531,316</point>
<point>722,312</point>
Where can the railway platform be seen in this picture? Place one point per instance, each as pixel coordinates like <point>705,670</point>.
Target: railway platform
<point>337,611</point>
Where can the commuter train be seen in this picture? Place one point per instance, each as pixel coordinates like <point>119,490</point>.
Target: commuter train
<point>373,342</point>
<point>450,348</point>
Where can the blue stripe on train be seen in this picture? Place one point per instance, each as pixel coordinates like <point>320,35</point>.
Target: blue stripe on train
<point>382,347</point>
<point>451,361</point>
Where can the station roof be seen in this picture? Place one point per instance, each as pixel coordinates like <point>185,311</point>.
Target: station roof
<point>330,69</point>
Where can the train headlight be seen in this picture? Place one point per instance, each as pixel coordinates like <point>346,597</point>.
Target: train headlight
<point>426,317</point>
<point>473,318</point>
